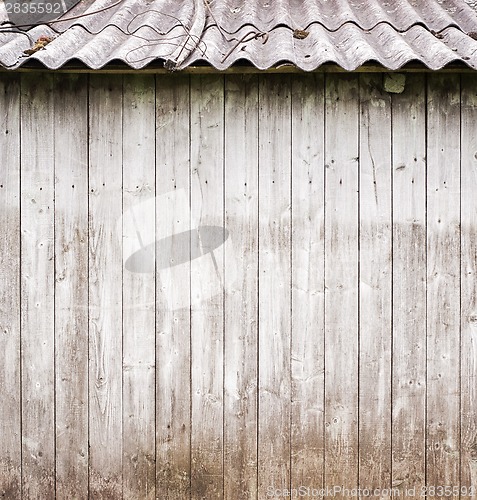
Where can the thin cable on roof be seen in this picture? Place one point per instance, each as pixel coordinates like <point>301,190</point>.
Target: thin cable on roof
<point>197,43</point>
<point>251,35</point>
<point>391,40</point>
<point>194,35</point>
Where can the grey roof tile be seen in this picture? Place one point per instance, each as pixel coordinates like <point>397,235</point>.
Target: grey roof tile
<point>349,33</point>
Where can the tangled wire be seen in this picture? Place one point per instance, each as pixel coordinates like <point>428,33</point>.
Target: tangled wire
<point>186,41</point>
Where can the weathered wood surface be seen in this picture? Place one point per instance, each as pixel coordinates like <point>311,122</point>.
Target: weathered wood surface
<point>139,339</point>
<point>375,285</point>
<point>341,281</point>
<point>207,286</point>
<point>173,349</point>
<point>71,286</point>
<point>274,296</point>
<point>409,286</point>
<point>10,359</point>
<point>468,273</point>
<point>256,283</point>
<point>443,280</point>
<point>105,287</point>
<point>241,268</point>
<point>37,225</point>
<point>307,282</point>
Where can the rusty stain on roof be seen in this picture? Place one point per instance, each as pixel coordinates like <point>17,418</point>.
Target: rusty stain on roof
<point>264,33</point>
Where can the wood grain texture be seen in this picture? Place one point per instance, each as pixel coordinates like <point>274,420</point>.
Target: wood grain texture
<point>341,281</point>
<point>274,284</point>
<point>105,291</point>
<point>173,393</point>
<point>139,339</point>
<point>468,388</point>
<point>308,254</point>
<point>207,287</point>
<point>71,286</point>
<point>241,312</point>
<point>10,395</point>
<point>205,292</point>
<point>443,280</point>
<point>409,285</point>
<point>375,279</point>
<point>37,287</point>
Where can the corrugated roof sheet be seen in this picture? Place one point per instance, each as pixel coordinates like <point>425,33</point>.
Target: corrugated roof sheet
<point>306,33</point>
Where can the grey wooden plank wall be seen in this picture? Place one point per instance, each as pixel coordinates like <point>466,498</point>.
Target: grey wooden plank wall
<point>233,287</point>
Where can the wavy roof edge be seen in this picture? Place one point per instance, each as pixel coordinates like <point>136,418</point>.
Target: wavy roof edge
<point>435,40</point>
<point>200,67</point>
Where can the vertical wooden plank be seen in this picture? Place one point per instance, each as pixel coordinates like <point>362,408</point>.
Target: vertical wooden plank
<point>409,286</point>
<point>341,281</point>
<point>37,288</point>
<point>469,287</point>
<point>443,280</point>
<point>308,253</point>
<point>274,285</point>
<point>207,315</point>
<point>241,340</point>
<point>375,278</point>
<point>10,409</point>
<point>71,285</point>
<point>105,292</point>
<point>138,227</point>
<point>173,288</point>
